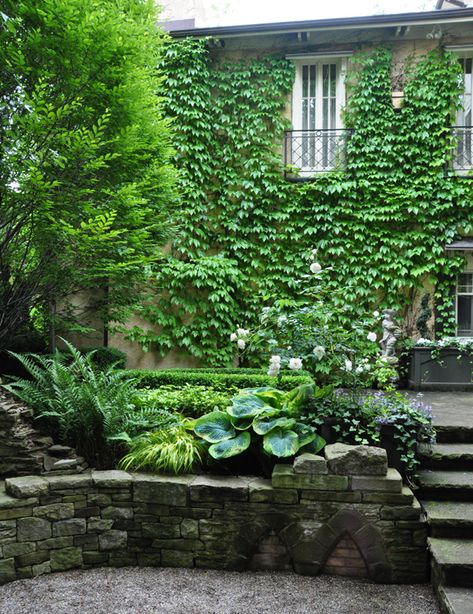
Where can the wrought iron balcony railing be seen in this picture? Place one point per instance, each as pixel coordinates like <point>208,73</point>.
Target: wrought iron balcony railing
<point>462,162</point>
<point>307,152</point>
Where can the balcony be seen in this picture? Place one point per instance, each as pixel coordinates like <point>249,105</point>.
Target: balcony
<point>462,162</point>
<point>309,152</point>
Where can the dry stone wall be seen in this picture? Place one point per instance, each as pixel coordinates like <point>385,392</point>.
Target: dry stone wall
<point>309,514</point>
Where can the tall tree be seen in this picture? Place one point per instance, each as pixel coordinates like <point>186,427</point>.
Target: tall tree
<point>86,186</point>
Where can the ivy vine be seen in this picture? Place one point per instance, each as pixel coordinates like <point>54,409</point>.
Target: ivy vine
<point>242,228</point>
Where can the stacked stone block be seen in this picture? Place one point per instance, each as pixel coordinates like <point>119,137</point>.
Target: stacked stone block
<point>114,518</point>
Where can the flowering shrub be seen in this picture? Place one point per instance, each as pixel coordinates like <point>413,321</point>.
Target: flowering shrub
<point>464,344</point>
<point>361,418</point>
<point>310,333</point>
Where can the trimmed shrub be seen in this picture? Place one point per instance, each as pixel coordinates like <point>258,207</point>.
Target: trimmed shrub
<point>191,401</point>
<point>216,379</point>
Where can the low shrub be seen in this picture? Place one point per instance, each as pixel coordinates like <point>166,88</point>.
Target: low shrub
<point>191,401</point>
<point>216,379</point>
<point>104,357</point>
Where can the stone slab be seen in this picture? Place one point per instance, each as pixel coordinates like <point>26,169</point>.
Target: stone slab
<point>392,482</point>
<point>218,488</point>
<point>456,600</point>
<point>163,490</point>
<point>111,479</point>
<point>310,463</point>
<point>284,477</point>
<point>28,486</point>
<point>344,459</point>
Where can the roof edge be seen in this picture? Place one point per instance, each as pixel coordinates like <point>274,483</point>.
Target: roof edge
<point>327,24</point>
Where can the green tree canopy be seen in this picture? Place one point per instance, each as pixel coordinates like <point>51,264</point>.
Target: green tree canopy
<point>86,186</point>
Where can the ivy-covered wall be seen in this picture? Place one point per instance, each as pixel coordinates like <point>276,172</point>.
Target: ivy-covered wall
<point>242,227</point>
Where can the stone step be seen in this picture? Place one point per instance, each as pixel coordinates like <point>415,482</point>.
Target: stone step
<point>449,518</point>
<point>452,485</point>
<point>455,600</point>
<point>454,433</point>
<point>446,455</point>
<point>452,561</point>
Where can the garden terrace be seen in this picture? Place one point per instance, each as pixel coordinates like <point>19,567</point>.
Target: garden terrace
<point>346,513</point>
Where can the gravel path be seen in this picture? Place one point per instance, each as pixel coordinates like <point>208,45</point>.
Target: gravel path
<point>191,591</point>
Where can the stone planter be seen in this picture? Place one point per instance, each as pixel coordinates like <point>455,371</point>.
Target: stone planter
<point>451,370</point>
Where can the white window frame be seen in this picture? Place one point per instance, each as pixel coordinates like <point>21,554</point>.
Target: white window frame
<point>464,52</point>
<point>340,59</point>
<point>468,270</point>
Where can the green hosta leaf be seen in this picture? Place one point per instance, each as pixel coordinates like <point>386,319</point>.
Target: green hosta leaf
<point>304,433</point>
<point>262,426</point>
<point>247,406</point>
<point>215,427</point>
<point>314,446</point>
<point>281,443</point>
<point>230,447</point>
<point>297,397</point>
<point>273,397</point>
<point>241,424</point>
<point>321,393</point>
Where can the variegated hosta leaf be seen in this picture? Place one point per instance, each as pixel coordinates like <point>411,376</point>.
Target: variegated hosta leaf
<point>241,424</point>
<point>247,406</point>
<point>305,434</point>
<point>272,396</point>
<point>264,425</point>
<point>281,443</point>
<point>298,397</point>
<point>214,427</point>
<point>231,447</point>
<point>314,446</point>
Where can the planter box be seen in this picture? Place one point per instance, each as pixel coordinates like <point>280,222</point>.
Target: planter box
<point>452,370</point>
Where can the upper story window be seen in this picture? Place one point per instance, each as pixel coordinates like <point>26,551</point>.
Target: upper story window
<point>317,141</point>
<point>464,304</point>
<point>463,130</point>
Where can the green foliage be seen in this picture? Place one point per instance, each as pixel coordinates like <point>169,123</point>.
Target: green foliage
<point>173,450</point>
<point>85,178</point>
<point>216,379</point>
<point>104,357</point>
<point>257,413</point>
<point>83,406</point>
<point>381,226</point>
<point>358,418</point>
<point>191,401</point>
<point>422,321</point>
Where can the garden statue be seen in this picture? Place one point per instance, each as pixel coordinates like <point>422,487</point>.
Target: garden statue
<point>391,333</point>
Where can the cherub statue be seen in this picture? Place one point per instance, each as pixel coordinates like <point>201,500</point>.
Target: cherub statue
<point>391,333</point>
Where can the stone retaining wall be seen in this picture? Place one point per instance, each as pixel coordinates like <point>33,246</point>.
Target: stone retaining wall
<point>316,512</point>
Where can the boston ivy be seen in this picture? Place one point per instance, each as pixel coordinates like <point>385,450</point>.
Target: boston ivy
<point>242,228</point>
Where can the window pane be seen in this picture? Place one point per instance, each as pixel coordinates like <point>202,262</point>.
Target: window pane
<point>465,283</point>
<point>305,81</point>
<point>465,315</point>
<point>312,81</point>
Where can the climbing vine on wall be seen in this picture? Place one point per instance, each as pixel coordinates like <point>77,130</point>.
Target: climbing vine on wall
<point>242,228</point>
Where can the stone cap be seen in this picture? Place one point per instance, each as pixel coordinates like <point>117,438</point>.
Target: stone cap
<point>344,459</point>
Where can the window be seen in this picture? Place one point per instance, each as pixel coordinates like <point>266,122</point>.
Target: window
<point>464,304</point>
<point>463,159</point>
<point>317,141</point>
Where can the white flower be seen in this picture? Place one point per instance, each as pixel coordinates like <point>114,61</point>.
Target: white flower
<point>233,337</point>
<point>313,253</point>
<point>348,365</point>
<point>376,314</point>
<point>295,364</point>
<point>274,366</point>
<point>315,268</point>
<point>275,360</point>
<point>318,352</point>
<point>273,372</point>
<point>282,320</point>
<point>242,332</point>
<point>359,369</point>
<point>371,337</point>
<point>241,344</point>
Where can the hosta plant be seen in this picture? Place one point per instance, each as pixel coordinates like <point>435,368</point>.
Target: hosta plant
<point>262,417</point>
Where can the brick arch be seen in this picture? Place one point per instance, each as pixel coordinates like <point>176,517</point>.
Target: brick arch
<point>310,555</point>
<point>251,534</point>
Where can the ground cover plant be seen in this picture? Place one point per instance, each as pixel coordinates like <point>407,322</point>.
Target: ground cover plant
<point>386,418</point>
